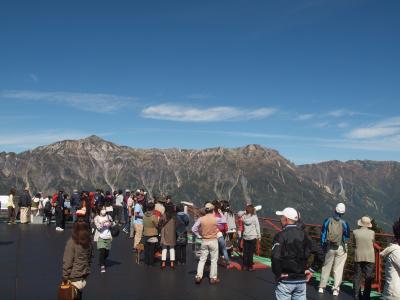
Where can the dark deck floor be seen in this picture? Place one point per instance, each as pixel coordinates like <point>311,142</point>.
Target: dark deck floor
<point>31,259</point>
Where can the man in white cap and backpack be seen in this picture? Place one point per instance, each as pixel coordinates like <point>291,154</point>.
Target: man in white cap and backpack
<point>334,236</point>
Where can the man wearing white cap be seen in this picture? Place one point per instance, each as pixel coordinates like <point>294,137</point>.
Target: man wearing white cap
<point>334,236</point>
<point>290,252</point>
<point>364,259</point>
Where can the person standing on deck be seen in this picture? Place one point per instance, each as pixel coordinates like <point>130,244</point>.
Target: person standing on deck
<point>206,228</point>
<point>11,206</point>
<point>364,260</point>
<point>291,249</point>
<point>334,236</point>
<point>25,202</point>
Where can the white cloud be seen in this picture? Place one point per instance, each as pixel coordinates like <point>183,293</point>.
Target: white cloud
<point>342,113</point>
<point>101,103</point>
<point>342,125</point>
<point>304,117</point>
<point>212,114</point>
<point>385,128</point>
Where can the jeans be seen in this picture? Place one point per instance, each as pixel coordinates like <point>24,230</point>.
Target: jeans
<point>180,252</point>
<point>60,218</point>
<point>103,254</point>
<point>291,291</point>
<point>11,214</point>
<point>208,247</point>
<point>73,213</point>
<point>222,249</point>
<point>149,249</point>
<point>368,270</point>
<point>118,214</point>
<point>249,247</point>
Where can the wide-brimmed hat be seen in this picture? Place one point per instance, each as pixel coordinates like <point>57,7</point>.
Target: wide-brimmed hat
<point>209,206</point>
<point>365,222</point>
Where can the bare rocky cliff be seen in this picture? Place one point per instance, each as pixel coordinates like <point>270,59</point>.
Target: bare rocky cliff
<point>250,174</point>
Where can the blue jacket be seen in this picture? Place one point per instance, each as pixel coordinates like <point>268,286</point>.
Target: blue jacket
<point>325,225</point>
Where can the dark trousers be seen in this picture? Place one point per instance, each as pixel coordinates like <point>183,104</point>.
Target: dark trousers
<point>11,214</point>
<point>249,248</point>
<point>118,214</point>
<point>180,253</point>
<point>60,218</point>
<point>103,254</point>
<point>367,269</point>
<point>149,249</point>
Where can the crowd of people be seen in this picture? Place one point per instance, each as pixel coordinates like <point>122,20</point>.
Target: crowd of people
<point>159,228</point>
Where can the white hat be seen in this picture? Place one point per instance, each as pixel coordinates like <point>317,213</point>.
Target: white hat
<point>289,213</point>
<point>340,208</point>
<point>365,222</point>
<point>127,191</point>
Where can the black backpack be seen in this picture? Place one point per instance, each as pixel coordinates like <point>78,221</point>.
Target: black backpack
<point>47,206</point>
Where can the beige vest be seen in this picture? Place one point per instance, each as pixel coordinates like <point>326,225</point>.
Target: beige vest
<point>364,239</point>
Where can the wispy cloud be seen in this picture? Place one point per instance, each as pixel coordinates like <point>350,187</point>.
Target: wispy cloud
<point>100,103</point>
<point>304,117</point>
<point>345,113</point>
<point>343,125</point>
<point>385,128</point>
<point>211,114</point>
<point>34,77</point>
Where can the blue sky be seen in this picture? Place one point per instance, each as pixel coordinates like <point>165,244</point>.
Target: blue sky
<point>316,80</point>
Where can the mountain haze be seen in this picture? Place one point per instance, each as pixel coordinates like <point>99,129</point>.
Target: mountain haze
<point>241,175</point>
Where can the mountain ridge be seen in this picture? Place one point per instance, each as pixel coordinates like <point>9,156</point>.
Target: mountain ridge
<point>251,173</point>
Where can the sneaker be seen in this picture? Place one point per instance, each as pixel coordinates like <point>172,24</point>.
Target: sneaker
<point>125,230</point>
<point>103,269</point>
<point>214,280</point>
<point>335,293</point>
<point>197,280</point>
<point>321,290</point>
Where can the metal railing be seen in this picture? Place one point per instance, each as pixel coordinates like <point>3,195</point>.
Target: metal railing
<point>271,226</point>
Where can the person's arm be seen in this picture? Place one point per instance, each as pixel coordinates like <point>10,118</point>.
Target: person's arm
<point>324,232</point>
<point>196,228</point>
<point>257,223</point>
<point>68,259</point>
<point>315,249</point>
<point>276,256</point>
<point>155,220</point>
<point>185,220</point>
<point>346,231</point>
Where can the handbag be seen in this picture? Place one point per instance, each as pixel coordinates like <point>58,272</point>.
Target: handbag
<point>66,291</point>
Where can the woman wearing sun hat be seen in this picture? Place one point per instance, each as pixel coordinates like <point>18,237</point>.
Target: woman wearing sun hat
<point>364,259</point>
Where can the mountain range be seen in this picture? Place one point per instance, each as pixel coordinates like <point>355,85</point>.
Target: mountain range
<point>249,174</point>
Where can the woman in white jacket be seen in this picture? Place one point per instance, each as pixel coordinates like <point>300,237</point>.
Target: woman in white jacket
<point>251,234</point>
<point>392,266</point>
